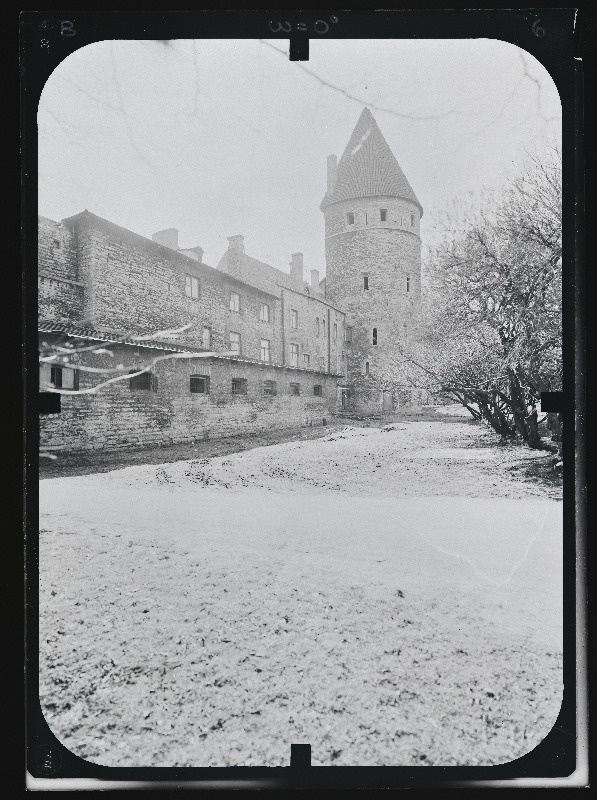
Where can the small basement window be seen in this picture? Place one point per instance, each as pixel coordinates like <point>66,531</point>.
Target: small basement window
<point>318,390</point>
<point>191,287</point>
<point>295,388</point>
<point>199,384</point>
<point>145,381</point>
<point>350,218</point>
<point>383,214</point>
<point>270,388</point>
<point>58,377</point>
<point>239,385</point>
<point>374,335</point>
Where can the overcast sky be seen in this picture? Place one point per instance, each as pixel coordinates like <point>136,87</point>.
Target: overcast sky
<point>221,137</point>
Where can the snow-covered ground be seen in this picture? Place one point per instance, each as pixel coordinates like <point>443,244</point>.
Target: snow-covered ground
<point>389,595</point>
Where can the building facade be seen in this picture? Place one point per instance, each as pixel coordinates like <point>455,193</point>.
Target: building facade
<point>251,353</point>
<point>150,345</point>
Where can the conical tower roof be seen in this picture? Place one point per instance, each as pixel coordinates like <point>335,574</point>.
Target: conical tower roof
<point>368,167</point>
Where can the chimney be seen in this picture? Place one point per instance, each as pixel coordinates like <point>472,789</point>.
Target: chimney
<point>193,252</point>
<point>296,267</point>
<point>236,243</point>
<point>167,237</point>
<point>315,279</point>
<point>332,172</point>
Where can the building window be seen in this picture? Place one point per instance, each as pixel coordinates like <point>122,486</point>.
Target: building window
<point>366,219</point>
<point>383,214</point>
<point>235,342</point>
<point>374,335</point>
<point>264,350</point>
<point>199,384</point>
<point>408,283</point>
<point>366,368</point>
<point>191,286</point>
<point>294,354</point>
<point>316,326</point>
<point>322,362</point>
<point>350,218</point>
<point>270,388</point>
<point>295,388</point>
<point>412,219</point>
<point>146,380</point>
<point>335,331</point>
<point>58,377</point>
<point>323,326</point>
<point>317,390</point>
<point>206,337</point>
<point>234,302</point>
<point>348,334</point>
<point>306,360</point>
<point>264,312</point>
<point>293,319</point>
<point>239,385</point>
<point>366,283</point>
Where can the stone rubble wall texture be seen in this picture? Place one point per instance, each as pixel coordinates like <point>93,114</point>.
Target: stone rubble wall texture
<point>119,417</point>
<point>387,253</point>
<point>97,274</point>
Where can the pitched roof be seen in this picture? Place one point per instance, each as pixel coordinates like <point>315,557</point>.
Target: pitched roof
<point>368,168</point>
<point>90,334</point>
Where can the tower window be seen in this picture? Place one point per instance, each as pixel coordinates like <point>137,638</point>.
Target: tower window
<point>383,214</point>
<point>366,283</point>
<point>408,283</point>
<point>317,326</point>
<point>366,368</point>
<point>374,335</point>
<point>366,218</point>
<point>335,331</point>
<point>412,219</point>
<point>350,218</point>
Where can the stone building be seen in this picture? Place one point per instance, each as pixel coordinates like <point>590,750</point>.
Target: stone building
<point>373,263</point>
<point>260,348</point>
<point>274,341</point>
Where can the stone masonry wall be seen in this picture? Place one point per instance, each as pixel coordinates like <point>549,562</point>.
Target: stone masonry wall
<point>118,417</point>
<point>389,255</point>
<point>134,284</point>
<point>61,294</point>
<point>323,340</point>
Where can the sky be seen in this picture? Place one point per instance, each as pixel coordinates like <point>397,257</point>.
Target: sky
<point>225,137</point>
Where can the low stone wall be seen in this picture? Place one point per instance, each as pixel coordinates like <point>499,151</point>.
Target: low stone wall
<point>119,417</point>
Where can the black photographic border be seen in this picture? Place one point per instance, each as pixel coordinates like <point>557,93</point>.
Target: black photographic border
<point>545,33</point>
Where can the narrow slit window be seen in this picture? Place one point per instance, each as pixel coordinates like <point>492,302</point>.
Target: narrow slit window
<point>412,219</point>
<point>366,368</point>
<point>264,312</point>
<point>317,326</point>
<point>408,283</point>
<point>374,336</point>
<point>366,283</point>
<point>335,331</point>
<point>383,214</point>
<point>366,218</point>
<point>348,334</point>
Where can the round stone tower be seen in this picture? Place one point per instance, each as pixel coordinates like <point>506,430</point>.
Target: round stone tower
<point>373,255</point>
